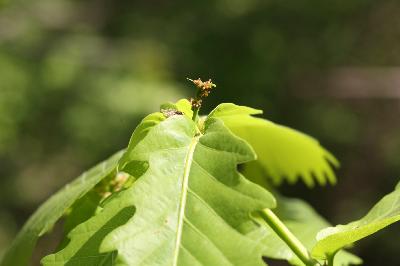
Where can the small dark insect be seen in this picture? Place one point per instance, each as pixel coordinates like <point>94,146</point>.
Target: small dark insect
<point>170,112</point>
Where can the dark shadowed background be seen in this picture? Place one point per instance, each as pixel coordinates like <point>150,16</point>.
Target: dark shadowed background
<point>77,76</point>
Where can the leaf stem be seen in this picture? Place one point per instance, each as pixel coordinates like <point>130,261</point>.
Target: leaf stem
<point>196,105</point>
<point>330,259</point>
<point>195,113</point>
<point>291,240</point>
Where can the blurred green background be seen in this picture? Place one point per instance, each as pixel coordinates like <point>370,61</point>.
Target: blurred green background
<point>77,76</point>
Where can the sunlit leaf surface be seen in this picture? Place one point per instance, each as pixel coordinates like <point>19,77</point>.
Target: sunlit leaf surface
<point>284,153</point>
<point>190,207</point>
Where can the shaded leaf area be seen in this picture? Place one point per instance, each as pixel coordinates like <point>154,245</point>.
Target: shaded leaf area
<point>192,206</point>
<point>92,245</point>
<point>384,213</point>
<point>305,223</point>
<point>47,215</point>
<point>282,153</point>
<point>81,211</point>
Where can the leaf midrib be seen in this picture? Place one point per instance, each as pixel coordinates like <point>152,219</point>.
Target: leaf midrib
<point>183,199</point>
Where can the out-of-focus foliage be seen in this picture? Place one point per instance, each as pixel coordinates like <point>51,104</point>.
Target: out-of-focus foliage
<point>77,76</point>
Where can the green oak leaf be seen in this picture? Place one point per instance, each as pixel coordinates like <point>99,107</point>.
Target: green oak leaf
<point>282,152</point>
<point>53,209</point>
<point>304,222</point>
<point>190,207</point>
<point>384,213</point>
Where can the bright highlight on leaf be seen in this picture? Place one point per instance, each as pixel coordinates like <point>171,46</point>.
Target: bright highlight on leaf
<point>384,213</point>
<point>284,153</point>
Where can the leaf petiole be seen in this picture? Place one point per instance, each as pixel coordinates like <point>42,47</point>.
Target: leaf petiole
<point>330,259</point>
<point>288,237</point>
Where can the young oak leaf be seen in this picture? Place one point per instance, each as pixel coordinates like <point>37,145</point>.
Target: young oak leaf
<point>282,152</point>
<point>384,213</point>
<point>191,205</point>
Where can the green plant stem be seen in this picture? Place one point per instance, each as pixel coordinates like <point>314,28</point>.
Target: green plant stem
<point>330,258</point>
<point>330,261</point>
<point>291,240</point>
<point>196,109</point>
<point>195,114</point>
